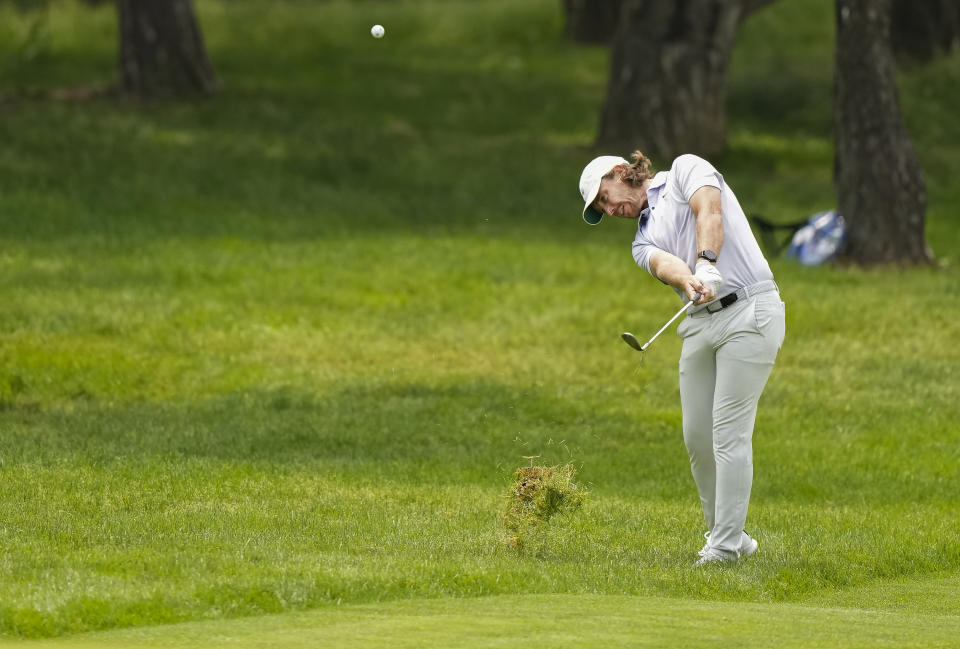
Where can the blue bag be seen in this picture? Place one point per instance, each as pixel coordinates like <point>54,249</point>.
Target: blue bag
<point>819,240</point>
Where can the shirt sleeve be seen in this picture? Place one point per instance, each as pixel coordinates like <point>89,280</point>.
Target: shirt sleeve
<point>642,250</point>
<point>693,172</point>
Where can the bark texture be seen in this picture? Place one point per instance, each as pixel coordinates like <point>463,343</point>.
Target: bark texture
<point>666,93</point>
<point>162,50</point>
<point>880,187</point>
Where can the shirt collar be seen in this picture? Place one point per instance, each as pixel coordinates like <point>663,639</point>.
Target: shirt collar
<point>653,191</point>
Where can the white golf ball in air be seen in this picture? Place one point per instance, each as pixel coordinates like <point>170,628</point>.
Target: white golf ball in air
<point>377,31</point>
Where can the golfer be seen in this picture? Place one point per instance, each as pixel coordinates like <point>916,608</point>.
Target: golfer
<point>692,234</point>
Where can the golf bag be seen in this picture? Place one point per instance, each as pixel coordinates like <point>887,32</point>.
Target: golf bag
<point>819,240</point>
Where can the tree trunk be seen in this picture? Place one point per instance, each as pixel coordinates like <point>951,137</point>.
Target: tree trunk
<point>880,188</point>
<point>666,93</point>
<point>921,29</point>
<point>591,21</point>
<point>161,49</point>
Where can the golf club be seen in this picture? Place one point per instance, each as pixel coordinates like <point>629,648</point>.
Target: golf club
<point>631,340</point>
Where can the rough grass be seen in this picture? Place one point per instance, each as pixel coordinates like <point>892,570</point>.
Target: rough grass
<point>283,349</point>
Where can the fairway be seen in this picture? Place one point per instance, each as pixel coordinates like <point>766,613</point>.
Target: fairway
<point>269,360</point>
<point>553,620</point>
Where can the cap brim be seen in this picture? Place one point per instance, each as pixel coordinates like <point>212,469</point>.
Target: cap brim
<point>592,216</point>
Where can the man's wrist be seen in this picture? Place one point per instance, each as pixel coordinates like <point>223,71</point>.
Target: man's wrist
<point>707,255</point>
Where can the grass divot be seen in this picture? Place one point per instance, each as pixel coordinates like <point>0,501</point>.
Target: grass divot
<point>537,494</point>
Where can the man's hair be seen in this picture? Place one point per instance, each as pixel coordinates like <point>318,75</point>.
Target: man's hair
<point>636,173</point>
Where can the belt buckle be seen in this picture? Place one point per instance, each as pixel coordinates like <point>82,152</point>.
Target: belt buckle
<point>720,307</point>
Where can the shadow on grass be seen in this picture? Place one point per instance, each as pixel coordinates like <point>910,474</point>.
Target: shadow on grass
<point>471,432</point>
<point>410,430</point>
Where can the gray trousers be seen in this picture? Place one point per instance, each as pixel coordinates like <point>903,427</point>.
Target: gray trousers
<point>726,359</point>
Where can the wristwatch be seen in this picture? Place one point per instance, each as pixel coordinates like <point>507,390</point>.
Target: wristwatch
<point>709,255</point>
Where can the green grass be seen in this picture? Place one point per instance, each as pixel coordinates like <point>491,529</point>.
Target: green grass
<point>283,349</point>
<point>550,620</point>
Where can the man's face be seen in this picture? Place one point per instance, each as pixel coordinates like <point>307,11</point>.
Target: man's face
<point>619,199</point>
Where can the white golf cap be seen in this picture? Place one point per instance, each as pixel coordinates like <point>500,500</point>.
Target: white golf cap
<point>590,179</point>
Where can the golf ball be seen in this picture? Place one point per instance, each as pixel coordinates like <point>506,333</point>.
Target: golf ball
<point>377,31</point>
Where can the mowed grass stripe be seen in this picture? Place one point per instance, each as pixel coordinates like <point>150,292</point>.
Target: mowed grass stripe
<point>581,621</point>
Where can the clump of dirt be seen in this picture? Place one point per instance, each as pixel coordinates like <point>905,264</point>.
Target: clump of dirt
<point>537,494</point>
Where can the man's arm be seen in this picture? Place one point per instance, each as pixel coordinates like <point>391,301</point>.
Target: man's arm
<point>707,208</point>
<point>672,270</point>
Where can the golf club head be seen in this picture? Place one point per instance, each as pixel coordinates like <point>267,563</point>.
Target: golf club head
<point>631,340</point>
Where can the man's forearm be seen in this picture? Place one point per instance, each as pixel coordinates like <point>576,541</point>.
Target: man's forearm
<point>672,270</point>
<point>710,231</point>
<point>707,206</point>
<point>669,269</point>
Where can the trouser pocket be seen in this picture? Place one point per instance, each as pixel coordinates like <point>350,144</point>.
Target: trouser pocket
<point>770,315</point>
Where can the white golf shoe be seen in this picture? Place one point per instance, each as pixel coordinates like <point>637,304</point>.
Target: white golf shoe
<point>712,556</point>
<point>748,545</point>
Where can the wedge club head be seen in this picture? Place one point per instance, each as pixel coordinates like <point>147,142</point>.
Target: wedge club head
<point>631,340</point>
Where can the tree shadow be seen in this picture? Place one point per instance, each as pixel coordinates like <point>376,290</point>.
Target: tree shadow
<point>466,432</point>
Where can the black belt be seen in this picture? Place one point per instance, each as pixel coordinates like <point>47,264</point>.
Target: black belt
<point>741,294</point>
<point>724,302</point>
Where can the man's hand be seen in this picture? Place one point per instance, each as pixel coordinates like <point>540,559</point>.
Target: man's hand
<point>694,289</point>
<point>671,270</point>
<point>711,280</point>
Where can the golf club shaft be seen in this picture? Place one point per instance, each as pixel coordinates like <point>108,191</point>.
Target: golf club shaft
<point>670,322</point>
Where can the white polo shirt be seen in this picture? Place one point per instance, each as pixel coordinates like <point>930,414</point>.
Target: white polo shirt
<point>670,225</point>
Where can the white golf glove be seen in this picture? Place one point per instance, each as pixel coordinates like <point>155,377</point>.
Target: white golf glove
<point>710,277</point>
